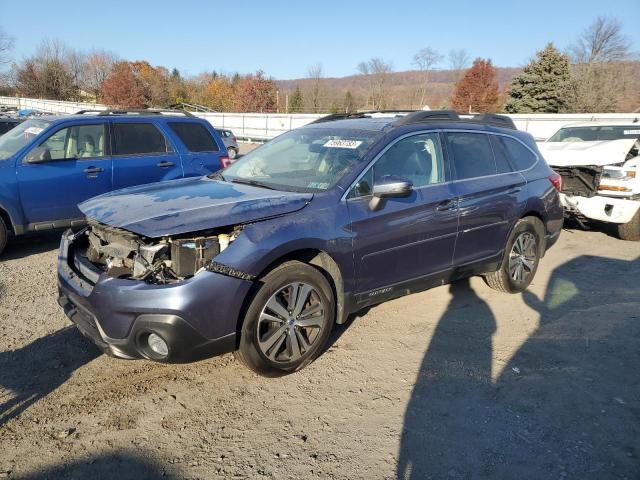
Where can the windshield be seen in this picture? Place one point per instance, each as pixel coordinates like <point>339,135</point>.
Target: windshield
<point>595,133</point>
<point>18,137</point>
<point>303,160</point>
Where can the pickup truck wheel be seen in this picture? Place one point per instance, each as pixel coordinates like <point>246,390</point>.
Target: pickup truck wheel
<point>288,321</point>
<point>631,229</point>
<point>233,153</point>
<point>521,257</point>
<point>4,235</point>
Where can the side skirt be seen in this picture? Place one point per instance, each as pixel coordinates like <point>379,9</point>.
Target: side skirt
<point>424,282</point>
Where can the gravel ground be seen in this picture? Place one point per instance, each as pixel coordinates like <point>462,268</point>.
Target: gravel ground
<point>457,382</point>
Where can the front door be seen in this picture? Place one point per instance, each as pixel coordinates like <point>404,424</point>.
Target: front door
<point>76,168</point>
<point>142,154</point>
<point>409,237</point>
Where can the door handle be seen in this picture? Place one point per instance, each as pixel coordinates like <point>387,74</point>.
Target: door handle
<point>93,170</point>
<point>166,164</point>
<point>447,205</point>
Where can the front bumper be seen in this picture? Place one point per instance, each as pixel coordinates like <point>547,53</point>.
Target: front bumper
<point>604,209</point>
<point>197,317</point>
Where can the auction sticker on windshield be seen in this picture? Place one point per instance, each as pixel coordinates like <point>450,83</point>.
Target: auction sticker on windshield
<point>343,144</point>
<point>632,132</point>
<point>33,130</point>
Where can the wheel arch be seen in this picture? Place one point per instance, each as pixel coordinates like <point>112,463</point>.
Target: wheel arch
<point>6,218</point>
<point>325,264</point>
<point>311,256</point>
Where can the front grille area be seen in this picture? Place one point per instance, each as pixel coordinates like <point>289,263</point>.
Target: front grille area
<point>582,181</point>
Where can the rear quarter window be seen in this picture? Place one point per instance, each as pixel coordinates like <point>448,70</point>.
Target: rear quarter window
<point>138,139</point>
<point>520,156</point>
<point>194,136</point>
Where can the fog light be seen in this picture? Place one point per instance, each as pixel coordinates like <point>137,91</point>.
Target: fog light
<point>158,345</point>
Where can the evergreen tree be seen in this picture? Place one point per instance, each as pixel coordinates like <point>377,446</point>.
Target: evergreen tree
<point>543,86</point>
<point>295,101</point>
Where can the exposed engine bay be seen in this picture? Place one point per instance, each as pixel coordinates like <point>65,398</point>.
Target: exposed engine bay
<point>123,254</point>
<point>582,180</point>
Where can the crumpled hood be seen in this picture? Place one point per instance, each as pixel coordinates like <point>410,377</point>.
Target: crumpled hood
<point>188,205</point>
<point>602,152</point>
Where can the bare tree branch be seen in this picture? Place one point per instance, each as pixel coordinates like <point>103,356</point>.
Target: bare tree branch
<point>602,41</point>
<point>314,72</point>
<point>458,62</point>
<point>425,60</point>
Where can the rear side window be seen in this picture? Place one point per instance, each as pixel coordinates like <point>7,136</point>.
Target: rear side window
<point>472,155</point>
<point>521,157</point>
<point>503,165</point>
<point>138,139</point>
<point>195,136</point>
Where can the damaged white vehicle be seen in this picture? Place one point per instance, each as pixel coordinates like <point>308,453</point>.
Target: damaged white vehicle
<point>599,164</point>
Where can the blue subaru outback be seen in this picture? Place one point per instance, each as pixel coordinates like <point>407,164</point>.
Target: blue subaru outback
<point>50,164</point>
<point>265,256</point>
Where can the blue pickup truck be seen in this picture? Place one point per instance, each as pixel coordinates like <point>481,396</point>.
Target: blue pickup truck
<point>50,164</point>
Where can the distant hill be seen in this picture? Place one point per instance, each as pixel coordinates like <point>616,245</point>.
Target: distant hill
<point>402,88</point>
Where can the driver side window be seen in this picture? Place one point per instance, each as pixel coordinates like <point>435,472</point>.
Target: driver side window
<point>417,158</point>
<point>80,141</point>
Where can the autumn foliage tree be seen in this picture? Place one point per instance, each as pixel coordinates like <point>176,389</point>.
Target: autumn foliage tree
<point>478,90</point>
<point>122,88</point>
<point>255,93</point>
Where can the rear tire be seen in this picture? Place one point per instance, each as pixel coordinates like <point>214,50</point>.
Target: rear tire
<point>521,257</point>
<point>233,153</point>
<point>4,235</point>
<point>288,320</point>
<point>631,229</point>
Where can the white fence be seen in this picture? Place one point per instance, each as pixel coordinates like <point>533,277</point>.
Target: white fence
<point>263,126</point>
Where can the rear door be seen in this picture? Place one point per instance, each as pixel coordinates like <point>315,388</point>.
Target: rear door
<point>488,192</point>
<point>142,154</point>
<point>201,149</point>
<point>408,237</point>
<point>79,168</point>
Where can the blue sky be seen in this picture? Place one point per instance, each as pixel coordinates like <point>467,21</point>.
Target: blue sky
<point>283,38</point>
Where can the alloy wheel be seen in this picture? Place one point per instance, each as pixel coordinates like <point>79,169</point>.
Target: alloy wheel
<point>522,258</point>
<point>290,323</point>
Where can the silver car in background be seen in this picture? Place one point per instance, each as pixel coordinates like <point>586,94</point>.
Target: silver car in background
<point>230,142</point>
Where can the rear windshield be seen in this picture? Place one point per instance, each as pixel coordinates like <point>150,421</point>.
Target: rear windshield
<point>20,136</point>
<point>304,160</point>
<point>595,133</point>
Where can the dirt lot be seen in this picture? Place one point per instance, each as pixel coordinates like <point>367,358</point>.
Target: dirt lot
<point>457,382</point>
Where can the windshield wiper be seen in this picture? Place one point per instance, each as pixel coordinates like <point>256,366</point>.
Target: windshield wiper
<point>253,183</point>
<point>217,176</point>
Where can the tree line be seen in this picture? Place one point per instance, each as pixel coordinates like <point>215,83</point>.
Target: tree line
<point>595,74</point>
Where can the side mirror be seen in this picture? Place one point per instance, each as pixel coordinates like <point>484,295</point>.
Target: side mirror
<point>389,187</point>
<point>38,155</point>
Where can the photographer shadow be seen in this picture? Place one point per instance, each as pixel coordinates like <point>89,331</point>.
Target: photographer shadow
<point>565,405</point>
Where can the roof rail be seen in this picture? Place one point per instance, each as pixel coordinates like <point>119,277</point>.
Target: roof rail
<point>363,114</point>
<point>495,120</point>
<point>427,116</point>
<point>125,111</point>
<point>451,116</point>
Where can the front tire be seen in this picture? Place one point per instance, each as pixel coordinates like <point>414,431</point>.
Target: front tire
<point>288,321</point>
<point>631,229</point>
<point>521,257</point>
<point>4,235</point>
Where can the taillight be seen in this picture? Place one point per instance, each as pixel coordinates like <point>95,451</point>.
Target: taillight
<point>556,181</point>
<point>234,139</point>
<point>225,161</point>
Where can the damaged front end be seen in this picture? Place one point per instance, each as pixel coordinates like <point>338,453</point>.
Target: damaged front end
<point>580,180</point>
<point>123,254</point>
